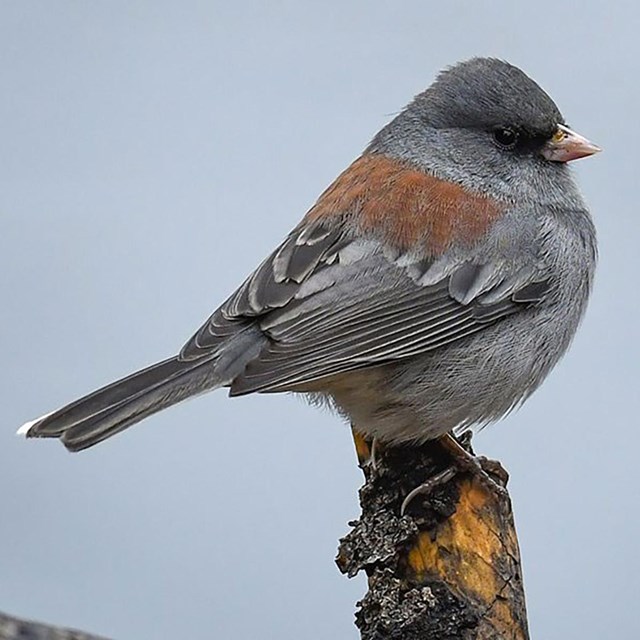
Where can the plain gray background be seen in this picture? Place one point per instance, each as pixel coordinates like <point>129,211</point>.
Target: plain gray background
<point>152,153</point>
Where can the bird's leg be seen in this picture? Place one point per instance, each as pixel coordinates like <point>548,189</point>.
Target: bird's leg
<point>488,472</point>
<point>371,462</point>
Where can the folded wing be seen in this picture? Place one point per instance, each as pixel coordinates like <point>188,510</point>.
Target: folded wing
<point>329,303</point>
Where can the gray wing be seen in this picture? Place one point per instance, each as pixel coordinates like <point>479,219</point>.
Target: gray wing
<point>327,303</point>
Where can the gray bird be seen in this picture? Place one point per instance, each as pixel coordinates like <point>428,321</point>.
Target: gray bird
<point>432,286</point>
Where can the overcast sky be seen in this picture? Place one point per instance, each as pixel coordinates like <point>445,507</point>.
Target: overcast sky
<point>152,153</point>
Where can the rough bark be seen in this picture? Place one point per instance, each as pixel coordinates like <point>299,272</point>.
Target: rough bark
<point>17,629</point>
<point>449,568</point>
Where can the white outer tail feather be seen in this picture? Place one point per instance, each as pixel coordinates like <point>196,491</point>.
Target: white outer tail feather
<point>25,428</point>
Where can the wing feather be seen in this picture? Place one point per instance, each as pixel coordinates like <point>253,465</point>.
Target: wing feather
<point>330,303</point>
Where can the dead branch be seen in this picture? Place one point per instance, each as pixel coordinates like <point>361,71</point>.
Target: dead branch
<point>447,569</point>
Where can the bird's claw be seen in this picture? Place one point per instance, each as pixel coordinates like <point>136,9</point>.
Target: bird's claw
<point>428,486</point>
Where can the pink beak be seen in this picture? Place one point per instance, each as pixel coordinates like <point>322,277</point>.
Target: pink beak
<point>567,145</point>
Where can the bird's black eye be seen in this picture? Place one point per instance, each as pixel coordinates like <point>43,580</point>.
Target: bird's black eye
<point>506,137</point>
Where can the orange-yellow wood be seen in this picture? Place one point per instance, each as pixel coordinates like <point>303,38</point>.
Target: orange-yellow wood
<point>363,450</point>
<point>475,552</point>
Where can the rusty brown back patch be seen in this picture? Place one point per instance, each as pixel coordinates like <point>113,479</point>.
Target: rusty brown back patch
<point>407,205</point>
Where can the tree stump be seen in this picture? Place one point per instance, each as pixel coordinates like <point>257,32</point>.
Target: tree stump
<point>449,568</point>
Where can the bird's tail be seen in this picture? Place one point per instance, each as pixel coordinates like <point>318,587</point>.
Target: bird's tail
<point>109,410</point>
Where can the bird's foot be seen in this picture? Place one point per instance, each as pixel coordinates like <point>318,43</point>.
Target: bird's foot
<point>371,463</point>
<point>489,473</point>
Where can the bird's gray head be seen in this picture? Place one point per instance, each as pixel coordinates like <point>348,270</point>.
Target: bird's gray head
<point>486,93</point>
<point>485,124</point>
